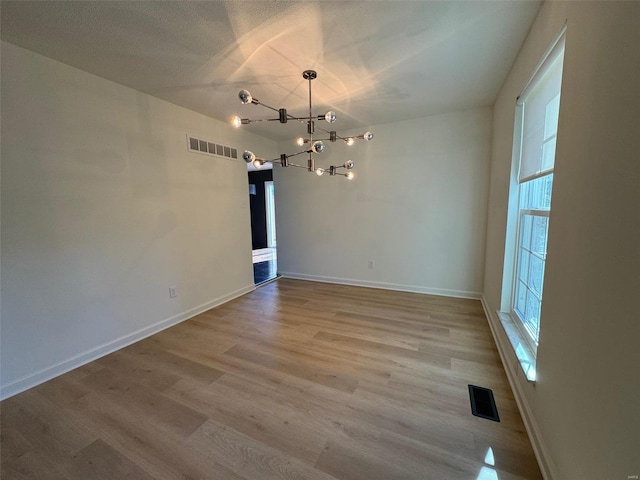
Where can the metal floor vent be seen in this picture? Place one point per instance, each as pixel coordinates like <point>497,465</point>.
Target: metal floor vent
<point>210,148</point>
<point>482,403</point>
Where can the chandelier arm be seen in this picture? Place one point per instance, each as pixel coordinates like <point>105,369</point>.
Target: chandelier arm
<point>302,119</point>
<point>299,153</point>
<point>291,117</point>
<point>329,132</point>
<point>264,120</point>
<point>267,106</point>
<point>338,136</point>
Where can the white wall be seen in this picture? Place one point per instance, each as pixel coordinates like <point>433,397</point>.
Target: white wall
<point>583,409</point>
<point>103,209</point>
<point>417,208</point>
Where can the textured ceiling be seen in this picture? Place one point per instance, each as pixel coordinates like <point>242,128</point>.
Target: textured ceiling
<point>377,61</point>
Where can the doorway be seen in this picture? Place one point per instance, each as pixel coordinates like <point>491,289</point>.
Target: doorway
<point>263,226</point>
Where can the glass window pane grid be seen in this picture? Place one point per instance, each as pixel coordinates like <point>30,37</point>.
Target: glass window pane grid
<point>536,275</point>
<point>535,204</point>
<point>527,309</point>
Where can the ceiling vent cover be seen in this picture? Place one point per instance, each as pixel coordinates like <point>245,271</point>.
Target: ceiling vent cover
<point>207,147</point>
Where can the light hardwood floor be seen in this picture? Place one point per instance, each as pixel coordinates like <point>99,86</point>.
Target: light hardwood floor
<point>297,380</point>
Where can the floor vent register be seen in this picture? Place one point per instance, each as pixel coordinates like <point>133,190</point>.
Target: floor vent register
<point>482,403</point>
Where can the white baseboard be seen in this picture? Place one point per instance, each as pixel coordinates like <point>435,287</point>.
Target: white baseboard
<point>386,286</point>
<point>33,379</point>
<point>535,437</point>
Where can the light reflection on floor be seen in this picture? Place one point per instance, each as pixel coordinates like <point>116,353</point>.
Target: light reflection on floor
<point>488,473</point>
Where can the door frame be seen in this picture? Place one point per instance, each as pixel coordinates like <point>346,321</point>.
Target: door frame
<point>270,212</point>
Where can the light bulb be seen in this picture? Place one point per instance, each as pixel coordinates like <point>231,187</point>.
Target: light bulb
<point>368,136</point>
<point>349,164</point>
<point>300,141</point>
<point>330,116</point>
<point>257,163</point>
<point>350,141</point>
<point>317,147</point>
<point>319,171</point>
<point>237,121</point>
<point>248,156</point>
<point>349,175</point>
<point>245,97</point>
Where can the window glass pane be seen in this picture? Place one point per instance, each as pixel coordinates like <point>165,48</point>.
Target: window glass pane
<point>532,315</point>
<point>535,198</point>
<point>539,235</point>
<point>523,265</point>
<point>525,231</point>
<point>545,201</point>
<point>536,194</point>
<point>536,273</point>
<point>521,299</point>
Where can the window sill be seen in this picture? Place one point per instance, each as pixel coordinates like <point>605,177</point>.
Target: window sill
<point>525,355</point>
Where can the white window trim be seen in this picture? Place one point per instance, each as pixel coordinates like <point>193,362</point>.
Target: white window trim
<point>525,336</point>
<point>521,341</point>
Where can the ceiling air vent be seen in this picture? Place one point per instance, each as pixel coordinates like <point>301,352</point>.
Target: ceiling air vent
<point>207,147</point>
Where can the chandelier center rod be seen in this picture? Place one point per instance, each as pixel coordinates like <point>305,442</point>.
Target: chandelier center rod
<point>310,75</point>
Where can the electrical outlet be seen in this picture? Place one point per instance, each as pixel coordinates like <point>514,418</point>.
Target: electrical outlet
<point>371,264</point>
<point>173,292</point>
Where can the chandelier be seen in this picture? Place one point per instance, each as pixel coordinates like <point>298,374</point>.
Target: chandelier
<point>315,145</point>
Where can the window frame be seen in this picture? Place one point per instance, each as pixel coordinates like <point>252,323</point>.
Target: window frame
<point>522,341</point>
<point>538,212</point>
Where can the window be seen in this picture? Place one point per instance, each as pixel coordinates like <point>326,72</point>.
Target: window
<point>537,111</point>
<point>533,222</point>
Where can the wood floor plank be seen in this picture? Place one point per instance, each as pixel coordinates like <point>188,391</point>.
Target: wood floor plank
<point>250,458</point>
<point>99,461</point>
<point>149,358</point>
<point>160,453</point>
<point>397,354</point>
<point>259,416</point>
<point>295,380</point>
<point>278,360</point>
<point>36,419</point>
<point>306,350</point>
<point>155,407</point>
